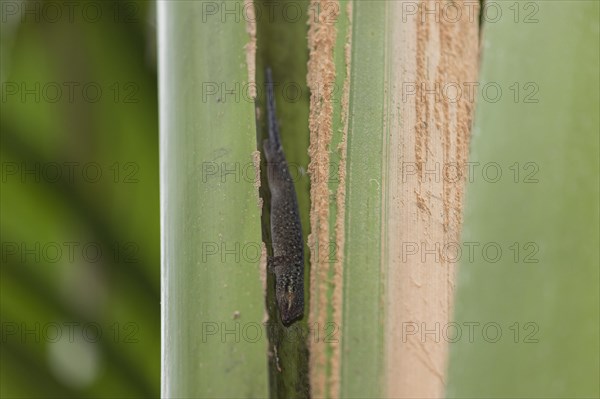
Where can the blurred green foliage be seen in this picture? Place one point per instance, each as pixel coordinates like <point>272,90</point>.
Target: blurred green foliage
<point>80,275</point>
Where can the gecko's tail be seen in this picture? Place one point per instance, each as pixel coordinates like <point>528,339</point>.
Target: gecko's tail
<point>271,114</point>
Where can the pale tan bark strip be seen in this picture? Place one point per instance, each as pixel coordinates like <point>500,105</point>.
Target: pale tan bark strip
<point>427,133</point>
<point>321,74</point>
<point>251,47</point>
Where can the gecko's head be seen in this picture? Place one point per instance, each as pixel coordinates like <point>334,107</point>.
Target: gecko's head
<point>290,300</point>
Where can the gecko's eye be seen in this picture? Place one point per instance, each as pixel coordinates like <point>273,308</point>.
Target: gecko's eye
<point>290,298</point>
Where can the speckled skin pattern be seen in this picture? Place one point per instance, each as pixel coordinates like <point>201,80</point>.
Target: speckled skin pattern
<point>287,261</point>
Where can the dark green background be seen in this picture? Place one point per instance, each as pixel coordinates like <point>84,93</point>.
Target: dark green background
<point>79,175</point>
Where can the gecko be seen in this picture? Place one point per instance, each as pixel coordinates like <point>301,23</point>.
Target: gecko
<point>287,262</point>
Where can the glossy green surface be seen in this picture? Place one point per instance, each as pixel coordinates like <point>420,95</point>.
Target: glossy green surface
<point>214,342</point>
<point>537,303</point>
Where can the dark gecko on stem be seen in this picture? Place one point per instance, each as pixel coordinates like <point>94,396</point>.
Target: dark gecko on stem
<point>287,262</point>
